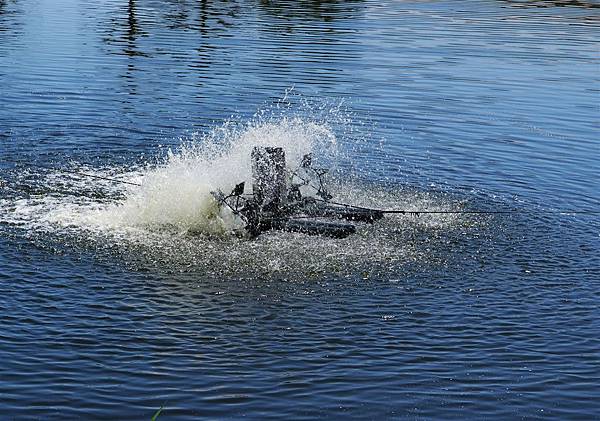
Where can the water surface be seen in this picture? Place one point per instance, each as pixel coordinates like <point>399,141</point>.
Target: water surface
<point>117,299</point>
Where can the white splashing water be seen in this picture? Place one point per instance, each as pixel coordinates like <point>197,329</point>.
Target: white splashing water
<point>174,200</point>
<point>176,194</point>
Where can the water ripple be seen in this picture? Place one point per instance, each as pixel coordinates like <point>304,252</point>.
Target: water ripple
<point>443,104</point>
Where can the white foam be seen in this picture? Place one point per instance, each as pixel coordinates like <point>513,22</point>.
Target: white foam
<point>153,220</point>
<point>176,193</point>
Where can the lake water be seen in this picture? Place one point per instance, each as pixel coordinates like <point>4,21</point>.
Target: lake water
<point>116,299</point>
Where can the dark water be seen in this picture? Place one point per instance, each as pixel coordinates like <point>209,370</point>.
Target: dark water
<point>110,307</point>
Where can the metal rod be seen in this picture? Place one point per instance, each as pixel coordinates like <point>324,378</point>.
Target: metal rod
<point>414,212</point>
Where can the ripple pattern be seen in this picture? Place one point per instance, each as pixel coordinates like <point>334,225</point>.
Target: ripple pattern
<point>451,105</point>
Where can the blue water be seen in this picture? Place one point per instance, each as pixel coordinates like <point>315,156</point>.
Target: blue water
<point>116,300</point>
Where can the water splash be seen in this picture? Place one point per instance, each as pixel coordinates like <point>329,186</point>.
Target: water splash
<point>177,193</point>
<point>171,219</point>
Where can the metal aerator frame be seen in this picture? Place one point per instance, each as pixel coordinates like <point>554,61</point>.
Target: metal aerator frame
<point>277,203</point>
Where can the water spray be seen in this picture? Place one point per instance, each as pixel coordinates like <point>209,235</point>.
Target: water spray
<point>279,200</point>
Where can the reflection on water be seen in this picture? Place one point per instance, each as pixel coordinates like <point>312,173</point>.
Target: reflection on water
<point>553,3</point>
<point>8,11</point>
<point>281,17</point>
<point>325,10</point>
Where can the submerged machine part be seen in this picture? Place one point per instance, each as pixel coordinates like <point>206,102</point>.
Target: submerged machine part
<point>277,203</point>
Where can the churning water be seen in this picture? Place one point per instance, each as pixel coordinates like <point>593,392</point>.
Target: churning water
<point>118,298</point>
<point>170,214</point>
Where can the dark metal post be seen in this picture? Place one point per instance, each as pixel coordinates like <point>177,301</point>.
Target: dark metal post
<point>269,182</point>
